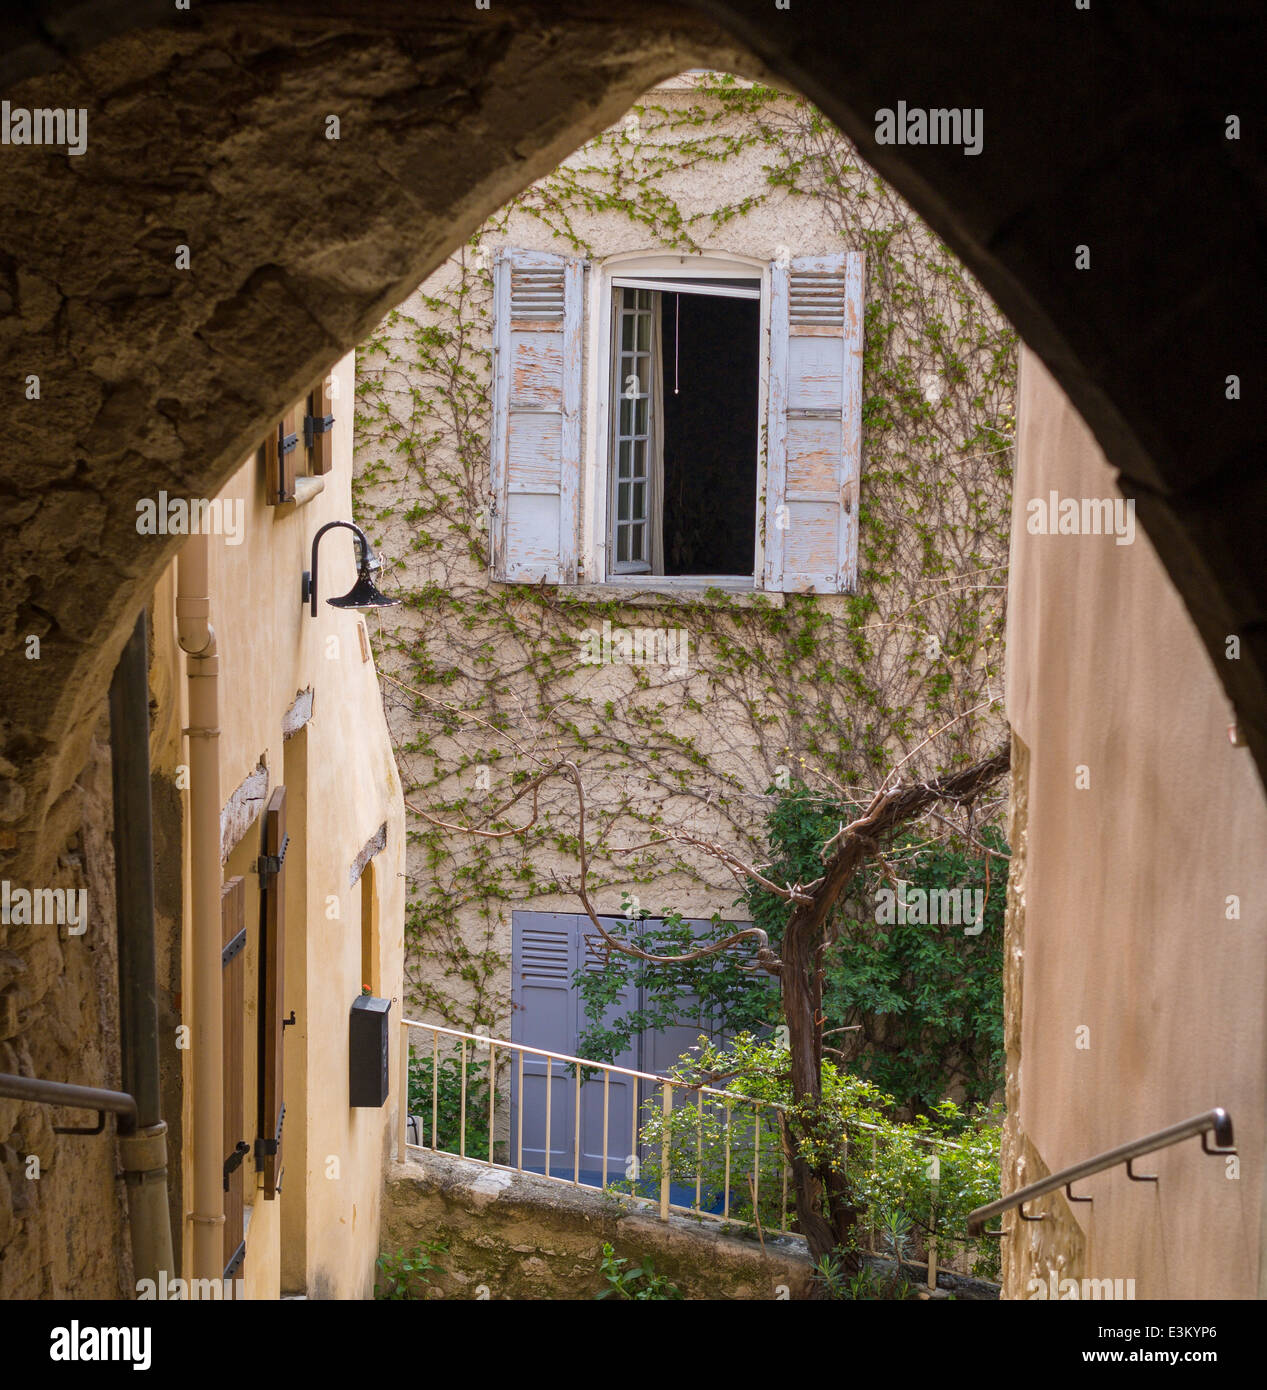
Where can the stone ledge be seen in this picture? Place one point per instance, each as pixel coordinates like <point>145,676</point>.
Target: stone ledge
<point>667,595</point>
<point>523,1236</point>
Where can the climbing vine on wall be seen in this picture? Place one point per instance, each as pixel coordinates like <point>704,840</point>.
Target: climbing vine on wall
<point>827,693</point>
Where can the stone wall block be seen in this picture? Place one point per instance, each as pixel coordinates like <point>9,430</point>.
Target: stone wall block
<point>7,1218</point>
<point>8,1013</point>
<point>33,1134</point>
<point>42,953</point>
<point>9,1109</point>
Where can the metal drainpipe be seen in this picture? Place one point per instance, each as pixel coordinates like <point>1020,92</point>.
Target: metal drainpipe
<point>143,1151</point>
<point>197,637</point>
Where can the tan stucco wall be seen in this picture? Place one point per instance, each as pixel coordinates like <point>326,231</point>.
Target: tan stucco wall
<point>725,800</point>
<point>341,787</point>
<point>1123,926</point>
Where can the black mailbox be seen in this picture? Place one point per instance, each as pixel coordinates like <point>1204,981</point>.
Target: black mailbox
<point>368,1051</point>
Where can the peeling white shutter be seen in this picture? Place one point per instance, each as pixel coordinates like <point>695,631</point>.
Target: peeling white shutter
<point>536,439</point>
<point>815,436</point>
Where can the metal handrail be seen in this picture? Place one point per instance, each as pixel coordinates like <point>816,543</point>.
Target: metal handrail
<point>503,1049</point>
<point>1216,1120</point>
<point>504,1043</point>
<point>104,1102</point>
<point>666,1085</point>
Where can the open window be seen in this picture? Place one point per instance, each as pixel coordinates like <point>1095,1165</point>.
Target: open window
<point>684,449</point>
<point>722,441</point>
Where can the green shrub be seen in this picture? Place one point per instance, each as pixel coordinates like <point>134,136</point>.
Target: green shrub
<point>925,1001</point>
<point>913,1007</point>
<point>400,1274</point>
<point>640,1284</point>
<point>893,1178</point>
<point>448,1103</point>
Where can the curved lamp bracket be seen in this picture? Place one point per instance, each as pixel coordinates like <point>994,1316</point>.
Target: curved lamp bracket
<point>364,594</point>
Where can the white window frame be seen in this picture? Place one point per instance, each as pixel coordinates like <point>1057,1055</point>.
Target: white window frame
<point>621,569</point>
<point>596,448</point>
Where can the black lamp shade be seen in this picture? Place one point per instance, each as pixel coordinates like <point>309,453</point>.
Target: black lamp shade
<point>363,595</point>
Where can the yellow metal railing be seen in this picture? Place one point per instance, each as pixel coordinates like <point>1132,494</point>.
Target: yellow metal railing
<point>716,1190</point>
<point>494,1051</point>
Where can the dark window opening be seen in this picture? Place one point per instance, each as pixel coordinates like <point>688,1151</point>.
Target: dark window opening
<point>711,373</point>
<point>683,472</point>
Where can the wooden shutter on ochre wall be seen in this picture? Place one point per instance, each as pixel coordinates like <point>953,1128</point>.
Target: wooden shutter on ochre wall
<point>272,1110</point>
<point>536,435</point>
<point>815,437</point>
<point>319,429</point>
<point>232,963</point>
<point>281,454</point>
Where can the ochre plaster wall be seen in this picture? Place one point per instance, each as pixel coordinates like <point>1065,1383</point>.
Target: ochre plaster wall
<point>345,788</point>
<point>1121,923</point>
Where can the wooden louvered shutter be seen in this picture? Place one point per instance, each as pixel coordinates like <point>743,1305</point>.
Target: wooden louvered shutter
<point>815,434</point>
<point>232,963</point>
<point>536,440</point>
<point>319,429</point>
<point>281,452</point>
<point>272,1110</point>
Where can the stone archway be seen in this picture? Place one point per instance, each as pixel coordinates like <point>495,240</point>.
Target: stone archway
<point>1103,128</point>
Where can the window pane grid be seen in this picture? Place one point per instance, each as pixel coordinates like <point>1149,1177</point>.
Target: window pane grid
<point>633,426</point>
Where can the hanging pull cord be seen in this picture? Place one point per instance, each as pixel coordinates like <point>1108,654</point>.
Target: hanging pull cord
<point>677,336</point>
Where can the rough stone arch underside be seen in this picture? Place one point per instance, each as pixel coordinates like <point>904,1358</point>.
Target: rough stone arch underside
<point>1103,128</point>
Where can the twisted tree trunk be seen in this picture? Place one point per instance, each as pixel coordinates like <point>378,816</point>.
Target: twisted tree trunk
<point>824,1208</point>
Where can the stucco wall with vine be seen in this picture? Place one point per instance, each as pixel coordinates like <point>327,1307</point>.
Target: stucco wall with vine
<point>834,690</point>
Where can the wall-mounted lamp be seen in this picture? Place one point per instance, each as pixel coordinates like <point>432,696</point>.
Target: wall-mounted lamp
<point>364,594</point>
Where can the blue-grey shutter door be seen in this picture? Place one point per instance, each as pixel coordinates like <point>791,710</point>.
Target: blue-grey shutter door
<point>621,1091</point>
<point>545,950</point>
<point>536,431</point>
<point>543,959</point>
<point>814,452</point>
<point>662,1049</point>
